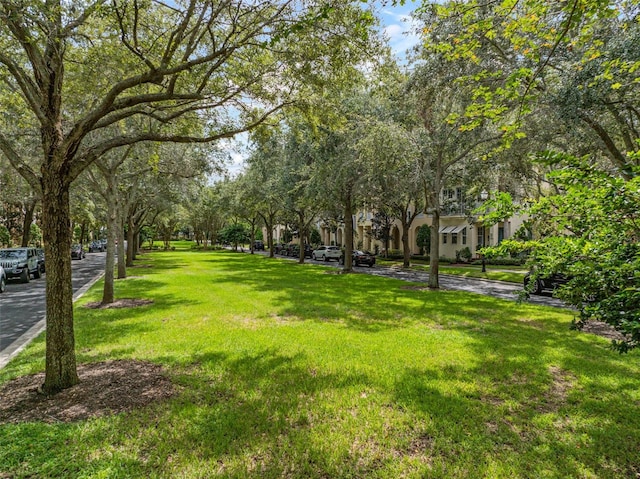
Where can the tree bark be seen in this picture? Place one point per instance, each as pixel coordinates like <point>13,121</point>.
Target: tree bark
<point>348,233</point>
<point>60,368</point>
<point>130,241</point>
<point>122,255</point>
<point>434,251</point>
<point>108,295</point>
<point>26,225</point>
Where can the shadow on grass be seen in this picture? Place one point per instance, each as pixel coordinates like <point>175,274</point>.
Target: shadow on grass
<point>525,396</point>
<point>247,416</point>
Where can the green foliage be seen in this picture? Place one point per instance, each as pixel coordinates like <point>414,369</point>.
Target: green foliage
<point>5,237</point>
<point>286,371</point>
<point>35,234</point>
<point>234,234</point>
<point>463,254</point>
<point>423,238</point>
<point>314,236</point>
<point>592,238</point>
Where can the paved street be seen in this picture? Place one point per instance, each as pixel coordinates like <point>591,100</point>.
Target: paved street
<point>23,307</point>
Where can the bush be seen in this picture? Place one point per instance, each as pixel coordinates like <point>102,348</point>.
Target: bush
<point>501,261</point>
<point>463,254</point>
<point>420,257</point>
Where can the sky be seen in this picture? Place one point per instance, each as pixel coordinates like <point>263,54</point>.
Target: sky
<point>396,25</point>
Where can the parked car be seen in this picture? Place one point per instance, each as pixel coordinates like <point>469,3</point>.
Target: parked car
<point>548,283</point>
<point>96,247</point>
<point>77,252</point>
<point>20,263</point>
<point>294,250</point>
<point>360,258</point>
<point>258,245</point>
<point>326,253</point>
<point>41,265</point>
<point>3,280</point>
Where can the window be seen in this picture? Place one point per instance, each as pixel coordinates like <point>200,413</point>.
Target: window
<point>480,236</point>
<point>464,236</point>
<point>444,238</point>
<point>454,238</point>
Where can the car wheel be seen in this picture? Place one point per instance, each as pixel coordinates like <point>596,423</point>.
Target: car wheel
<point>3,284</point>
<point>36,273</point>
<point>537,289</point>
<point>25,277</point>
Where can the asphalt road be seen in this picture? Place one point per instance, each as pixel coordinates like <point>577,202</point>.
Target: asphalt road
<point>23,305</point>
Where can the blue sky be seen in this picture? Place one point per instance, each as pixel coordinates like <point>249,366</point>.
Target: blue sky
<point>396,24</point>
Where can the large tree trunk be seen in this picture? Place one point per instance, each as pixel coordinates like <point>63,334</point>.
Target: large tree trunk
<point>406,251</point>
<point>60,368</point>
<point>112,222</point>
<point>434,251</point>
<point>122,255</point>
<point>348,233</point>
<point>26,225</point>
<point>130,241</point>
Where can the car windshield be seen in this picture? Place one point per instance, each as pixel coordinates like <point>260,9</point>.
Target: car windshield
<point>358,252</point>
<point>13,254</point>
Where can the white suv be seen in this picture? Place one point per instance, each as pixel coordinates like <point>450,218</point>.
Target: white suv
<point>326,253</point>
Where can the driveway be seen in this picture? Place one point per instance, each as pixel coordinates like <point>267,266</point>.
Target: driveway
<point>23,306</point>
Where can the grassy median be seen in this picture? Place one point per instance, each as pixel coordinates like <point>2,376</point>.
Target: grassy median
<point>287,370</point>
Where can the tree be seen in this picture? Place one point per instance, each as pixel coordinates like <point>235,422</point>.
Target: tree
<point>423,238</point>
<point>591,236</point>
<point>445,141</point>
<point>196,61</point>
<point>395,183</point>
<point>235,234</point>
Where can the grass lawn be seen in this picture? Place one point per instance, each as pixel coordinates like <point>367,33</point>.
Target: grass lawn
<point>290,370</point>
<point>511,274</point>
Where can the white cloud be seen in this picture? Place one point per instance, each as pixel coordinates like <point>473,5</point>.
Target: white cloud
<point>400,29</point>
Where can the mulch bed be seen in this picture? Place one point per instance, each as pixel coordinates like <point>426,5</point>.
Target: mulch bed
<point>105,388</point>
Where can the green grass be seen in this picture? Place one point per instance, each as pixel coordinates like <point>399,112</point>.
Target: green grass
<point>291,370</point>
<point>511,274</point>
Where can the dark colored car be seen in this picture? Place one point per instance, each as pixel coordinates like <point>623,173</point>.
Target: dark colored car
<point>96,247</point>
<point>41,265</point>
<point>77,252</point>
<point>258,245</point>
<point>361,257</point>
<point>294,251</point>
<point>548,283</point>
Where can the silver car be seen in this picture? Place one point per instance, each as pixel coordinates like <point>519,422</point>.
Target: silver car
<point>326,253</point>
<point>3,280</point>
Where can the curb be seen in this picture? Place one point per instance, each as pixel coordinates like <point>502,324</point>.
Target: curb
<point>23,341</point>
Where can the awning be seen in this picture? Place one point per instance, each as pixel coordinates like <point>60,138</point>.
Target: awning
<point>451,229</point>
